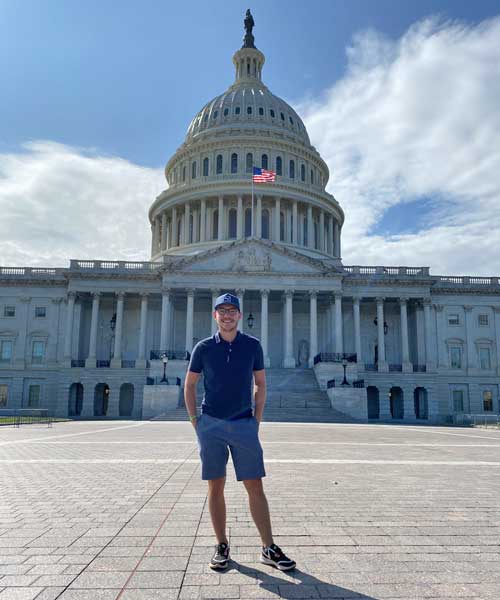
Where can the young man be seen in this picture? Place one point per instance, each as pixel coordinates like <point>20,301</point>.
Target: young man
<point>230,360</point>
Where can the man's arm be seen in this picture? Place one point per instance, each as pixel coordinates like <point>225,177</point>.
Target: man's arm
<point>259,393</point>
<point>190,394</point>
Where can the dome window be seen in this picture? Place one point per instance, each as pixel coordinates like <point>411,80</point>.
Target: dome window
<point>292,169</point>
<point>271,112</point>
<point>249,163</point>
<point>234,163</point>
<point>312,176</point>
<point>226,112</point>
<point>282,116</point>
<point>218,166</point>
<point>302,172</point>
<point>279,166</point>
<point>249,110</point>
<point>237,110</point>
<point>184,173</point>
<point>216,114</point>
<point>261,111</point>
<point>193,170</point>
<point>291,120</point>
<point>205,167</point>
<point>264,161</point>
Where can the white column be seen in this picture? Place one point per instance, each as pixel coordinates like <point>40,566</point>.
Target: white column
<point>189,320</point>
<point>289,225</point>
<point>264,319</point>
<point>165,320</point>
<point>258,220</point>
<point>336,238</point>
<point>441,350</point>
<point>310,227</point>
<point>239,218</point>
<point>68,333</point>
<point>141,355</point>
<point>277,219</point>
<point>429,354</point>
<point>295,224</point>
<point>203,220</point>
<point>339,341</point>
<point>116,361</point>
<point>90,363</point>
<point>496,317</point>
<point>469,339</point>
<point>241,294</point>
<point>175,233</point>
<point>322,230</point>
<point>187,214</point>
<point>382,365</point>
<point>215,295</point>
<point>164,230</point>
<point>220,226</point>
<point>289,362</point>
<point>157,235</point>
<point>195,226</point>
<point>405,350</point>
<point>313,326</point>
<point>357,331</point>
<point>330,235</point>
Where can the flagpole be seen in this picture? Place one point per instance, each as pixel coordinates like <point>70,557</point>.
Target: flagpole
<point>253,228</point>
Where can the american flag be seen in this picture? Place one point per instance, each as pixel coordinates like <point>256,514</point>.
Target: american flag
<point>263,176</point>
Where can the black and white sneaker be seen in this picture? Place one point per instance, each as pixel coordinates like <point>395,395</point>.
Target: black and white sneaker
<point>221,557</point>
<point>273,555</point>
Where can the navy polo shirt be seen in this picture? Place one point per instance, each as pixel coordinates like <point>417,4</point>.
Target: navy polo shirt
<point>228,371</point>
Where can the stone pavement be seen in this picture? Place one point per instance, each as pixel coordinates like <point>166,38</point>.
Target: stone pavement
<point>117,510</point>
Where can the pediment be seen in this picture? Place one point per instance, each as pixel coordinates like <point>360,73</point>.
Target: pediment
<point>252,256</point>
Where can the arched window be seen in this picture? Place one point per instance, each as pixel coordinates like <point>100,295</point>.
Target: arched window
<point>282,226</point>
<point>237,110</point>
<point>218,168</point>
<point>193,170</point>
<point>312,176</point>
<point>265,224</point>
<point>184,173</point>
<point>248,222</point>
<point>264,161</point>
<point>271,112</point>
<point>261,111</point>
<point>291,120</point>
<point>205,167</point>
<point>282,116</point>
<point>234,163</point>
<point>279,166</point>
<point>215,224</point>
<point>226,112</point>
<point>302,172</point>
<point>249,110</point>
<point>232,223</point>
<point>292,169</point>
<point>249,164</point>
<point>215,115</point>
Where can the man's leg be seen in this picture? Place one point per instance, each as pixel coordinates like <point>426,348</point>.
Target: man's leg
<point>259,509</point>
<point>217,508</point>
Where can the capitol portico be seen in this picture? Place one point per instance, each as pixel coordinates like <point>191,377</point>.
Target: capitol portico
<point>88,340</point>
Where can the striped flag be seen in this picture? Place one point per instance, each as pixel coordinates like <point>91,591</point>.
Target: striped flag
<point>263,176</point>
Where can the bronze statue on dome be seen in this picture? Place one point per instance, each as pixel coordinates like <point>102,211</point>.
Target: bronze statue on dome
<point>248,40</point>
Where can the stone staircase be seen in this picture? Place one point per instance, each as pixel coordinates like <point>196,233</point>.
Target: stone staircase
<point>293,395</point>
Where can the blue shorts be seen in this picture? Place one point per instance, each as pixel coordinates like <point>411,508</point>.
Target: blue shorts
<point>218,437</point>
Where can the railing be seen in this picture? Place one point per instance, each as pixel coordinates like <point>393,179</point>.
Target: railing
<point>27,271</point>
<point>466,280</point>
<point>25,416</point>
<point>103,364</point>
<point>477,420</point>
<point>112,265</point>
<point>395,368</point>
<point>334,357</point>
<point>379,270</point>
<point>419,368</point>
<point>79,363</point>
<point>171,354</point>
<point>161,381</point>
<point>359,383</point>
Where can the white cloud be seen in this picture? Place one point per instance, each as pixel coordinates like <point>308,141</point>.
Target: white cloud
<point>59,202</point>
<point>417,118</point>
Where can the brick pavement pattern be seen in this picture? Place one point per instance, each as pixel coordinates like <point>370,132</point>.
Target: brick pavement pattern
<point>117,511</point>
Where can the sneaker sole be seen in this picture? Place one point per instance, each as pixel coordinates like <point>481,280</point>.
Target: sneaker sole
<point>267,561</point>
<point>218,566</point>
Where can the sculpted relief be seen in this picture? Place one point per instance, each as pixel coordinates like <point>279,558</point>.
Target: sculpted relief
<point>252,261</point>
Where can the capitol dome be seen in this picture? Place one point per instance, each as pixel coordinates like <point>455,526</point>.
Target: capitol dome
<point>211,200</point>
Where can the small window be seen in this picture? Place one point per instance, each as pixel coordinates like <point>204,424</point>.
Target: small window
<point>226,112</point>
<point>455,357</point>
<point>458,401</point>
<point>292,169</point>
<point>261,111</point>
<point>302,173</point>
<point>249,163</point>
<point>279,166</point>
<point>272,113</point>
<point>312,176</point>
<point>193,170</point>
<point>234,163</point>
<point>264,161</point>
<point>34,396</point>
<point>38,352</point>
<point>291,120</point>
<point>6,351</point>
<point>282,116</point>
<point>205,167</point>
<point>484,358</point>
<point>249,110</point>
<point>9,311</point>
<point>184,173</point>
<point>483,320</point>
<point>216,114</point>
<point>237,110</point>
<point>488,401</point>
<point>218,167</point>
<point>4,395</point>
<point>453,320</point>
<point>40,311</point>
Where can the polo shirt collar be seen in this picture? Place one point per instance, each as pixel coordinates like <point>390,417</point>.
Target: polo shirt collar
<point>218,338</point>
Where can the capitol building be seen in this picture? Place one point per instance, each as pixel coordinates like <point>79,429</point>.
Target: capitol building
<point>340,341</point>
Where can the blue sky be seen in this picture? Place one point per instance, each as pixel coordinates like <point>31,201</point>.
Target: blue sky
<point>105,87</point>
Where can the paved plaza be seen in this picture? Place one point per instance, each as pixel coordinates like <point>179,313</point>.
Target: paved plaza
<point>117,510</point>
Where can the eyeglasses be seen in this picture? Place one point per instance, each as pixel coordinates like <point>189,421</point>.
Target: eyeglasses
<point>232,312</point>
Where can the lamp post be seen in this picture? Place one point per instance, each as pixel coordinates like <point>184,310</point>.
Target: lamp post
<point>344,364</point>
<point>250,321</point>
<point>164,359</point>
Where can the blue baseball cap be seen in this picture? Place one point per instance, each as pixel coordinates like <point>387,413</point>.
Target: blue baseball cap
<point>227,299</point>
